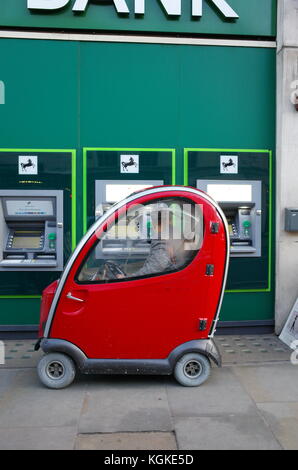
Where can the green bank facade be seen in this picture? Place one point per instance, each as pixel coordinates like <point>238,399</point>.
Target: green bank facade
<point>186,95</point>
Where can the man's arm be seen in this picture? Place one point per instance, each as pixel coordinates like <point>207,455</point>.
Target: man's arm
<point>157,262</point>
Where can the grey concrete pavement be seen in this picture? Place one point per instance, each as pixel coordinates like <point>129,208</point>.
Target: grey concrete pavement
<point>239,407</point>
<point>125,404</point>
<point>225,432</point>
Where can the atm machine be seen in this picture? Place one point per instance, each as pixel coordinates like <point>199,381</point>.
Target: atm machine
<point>136,243</point>
<point>241,201</point>
<point>31,230</point>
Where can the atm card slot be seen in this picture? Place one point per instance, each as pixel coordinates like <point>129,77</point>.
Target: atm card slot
<point>241,243</point>
<point>242,249</point>
<point>44,263</point>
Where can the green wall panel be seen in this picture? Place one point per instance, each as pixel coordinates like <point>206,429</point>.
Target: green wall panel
<point>129,95</point>
<point>19,311</point>
<point>247,307</point>
<point>41,87</point>
<point>228,97</point>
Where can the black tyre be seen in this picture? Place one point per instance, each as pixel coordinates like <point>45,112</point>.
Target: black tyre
<point>56,370</point>
<point>192,369</point>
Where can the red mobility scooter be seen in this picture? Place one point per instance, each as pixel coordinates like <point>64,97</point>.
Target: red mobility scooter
<point>142,292</point>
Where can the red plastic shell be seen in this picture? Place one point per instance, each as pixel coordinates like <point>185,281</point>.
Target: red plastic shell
<point>144,318</point>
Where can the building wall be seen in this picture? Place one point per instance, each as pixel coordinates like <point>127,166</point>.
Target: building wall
<point>287,161</point>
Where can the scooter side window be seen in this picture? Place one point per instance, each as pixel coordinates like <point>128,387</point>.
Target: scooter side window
<point>148,240</point>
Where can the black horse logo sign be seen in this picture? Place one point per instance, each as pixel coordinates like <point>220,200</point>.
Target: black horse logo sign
<point>29,164</point>
<point>228,164</point>
<point>130,165</point>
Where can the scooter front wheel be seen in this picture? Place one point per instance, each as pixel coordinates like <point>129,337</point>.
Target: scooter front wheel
<point>56,370</point>
<point>192,369</point>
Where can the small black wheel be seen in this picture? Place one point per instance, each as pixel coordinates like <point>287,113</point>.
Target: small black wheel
<point>192,369</point>
<point>56,370</point>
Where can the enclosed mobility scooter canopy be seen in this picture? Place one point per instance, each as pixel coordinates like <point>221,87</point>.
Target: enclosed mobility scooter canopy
<point>142,291</point>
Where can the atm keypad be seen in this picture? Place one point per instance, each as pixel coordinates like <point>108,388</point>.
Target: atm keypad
<point>10,240</point>
<point>41,242</point>
<point>233,230</point>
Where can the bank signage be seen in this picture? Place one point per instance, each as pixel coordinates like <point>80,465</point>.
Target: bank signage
<point>215,17</point>
<point>171,7</point>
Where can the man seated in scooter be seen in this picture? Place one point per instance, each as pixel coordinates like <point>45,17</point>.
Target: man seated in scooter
<point>161,257</point>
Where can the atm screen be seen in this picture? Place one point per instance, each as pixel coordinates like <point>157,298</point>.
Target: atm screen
<point>117,192</point>
<point>29,207</point>
<point>230,192</point>
<point>27,239</point>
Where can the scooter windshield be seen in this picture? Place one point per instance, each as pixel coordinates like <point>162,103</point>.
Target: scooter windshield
<point>152,239</point>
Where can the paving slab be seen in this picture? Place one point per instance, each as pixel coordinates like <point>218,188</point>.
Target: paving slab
<point>283,421</point>
<point>222,393</point>
<point>19,354</point>
<point>116,404</point>
<point>274,383</point>
<point>252,349</point>
<point>38,438</point>
<point>7,380</point>
<point>127,441</point>
<point>28,404</point>
<point>229,432</point>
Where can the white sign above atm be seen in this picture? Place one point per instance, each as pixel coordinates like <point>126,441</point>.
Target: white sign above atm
<point>171,7</point>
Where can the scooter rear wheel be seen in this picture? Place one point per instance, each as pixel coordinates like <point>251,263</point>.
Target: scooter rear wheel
<point>56,370</point>
<point>192,369</point>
